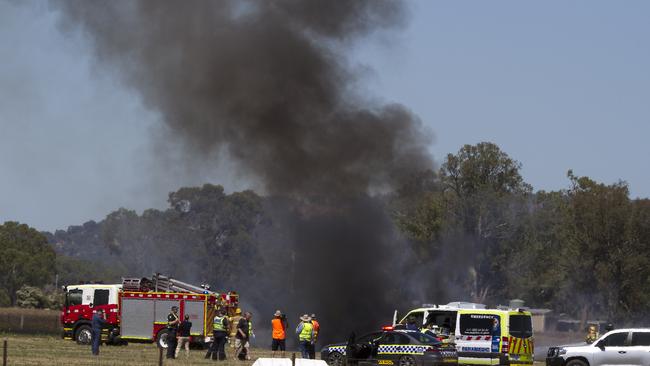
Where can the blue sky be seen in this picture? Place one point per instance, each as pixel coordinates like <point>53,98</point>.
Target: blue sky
<point>557,84</point>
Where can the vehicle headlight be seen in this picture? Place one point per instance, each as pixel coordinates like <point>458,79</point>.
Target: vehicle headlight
<point>555,351</point>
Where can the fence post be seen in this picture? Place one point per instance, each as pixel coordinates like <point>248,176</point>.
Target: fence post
<point>4,353</point>
<point>160,354</point>
<point>22,321</point>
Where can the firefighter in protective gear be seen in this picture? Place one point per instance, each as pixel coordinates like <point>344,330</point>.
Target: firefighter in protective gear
<point>305,332</point>
<point>234,320</point>
<point>220,326</point>
<point>592,334</point>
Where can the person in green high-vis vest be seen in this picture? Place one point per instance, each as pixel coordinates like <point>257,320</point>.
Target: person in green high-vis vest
<point>305,332</point>
<point>220,325</point>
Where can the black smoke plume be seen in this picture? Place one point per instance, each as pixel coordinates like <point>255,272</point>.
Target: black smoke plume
<point>269,83</point>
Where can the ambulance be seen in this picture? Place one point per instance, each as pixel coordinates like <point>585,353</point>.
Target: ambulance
<point>482,336</point>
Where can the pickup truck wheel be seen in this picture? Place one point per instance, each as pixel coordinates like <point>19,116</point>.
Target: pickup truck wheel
<point>161,339</point>
<point>576,363</point>
<point>83,334</point>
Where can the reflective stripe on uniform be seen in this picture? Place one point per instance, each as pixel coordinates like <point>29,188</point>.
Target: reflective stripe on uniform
<point>217,323</point>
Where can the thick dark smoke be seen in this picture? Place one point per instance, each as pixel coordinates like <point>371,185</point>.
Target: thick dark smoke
<point>269,82</point>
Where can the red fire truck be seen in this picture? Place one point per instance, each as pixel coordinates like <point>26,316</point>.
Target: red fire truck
<point>137,309</point>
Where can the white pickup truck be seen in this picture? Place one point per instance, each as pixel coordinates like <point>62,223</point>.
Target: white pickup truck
<point>617,347</point>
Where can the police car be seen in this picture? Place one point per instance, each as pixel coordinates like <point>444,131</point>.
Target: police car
<point>390,347</point>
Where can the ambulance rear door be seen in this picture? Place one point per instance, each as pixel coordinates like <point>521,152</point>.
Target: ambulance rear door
<point>520,338</point>
<point>478,337</point>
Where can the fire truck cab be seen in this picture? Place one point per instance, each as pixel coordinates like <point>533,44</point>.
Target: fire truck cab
<point>81,302</point>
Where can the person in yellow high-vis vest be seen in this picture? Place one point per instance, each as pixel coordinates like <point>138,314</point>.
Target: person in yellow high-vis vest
<point>305,332</point>
<point>220,325</point>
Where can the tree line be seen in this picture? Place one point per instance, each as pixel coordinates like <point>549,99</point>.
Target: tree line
<point>476,230</point>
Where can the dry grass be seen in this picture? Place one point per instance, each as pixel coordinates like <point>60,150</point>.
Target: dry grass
<point>30,321</point>
<point>46,350</point>
<point>49,350</point>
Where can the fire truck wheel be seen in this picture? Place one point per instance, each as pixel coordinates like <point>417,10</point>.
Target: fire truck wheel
<point>161,339</point>
<point>83,334</point>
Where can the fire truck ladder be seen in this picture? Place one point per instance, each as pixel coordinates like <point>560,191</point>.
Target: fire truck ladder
<point>165,284</point>
<point>160,283</point>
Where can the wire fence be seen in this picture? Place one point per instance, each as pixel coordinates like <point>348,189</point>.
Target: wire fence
<point>30,321</point>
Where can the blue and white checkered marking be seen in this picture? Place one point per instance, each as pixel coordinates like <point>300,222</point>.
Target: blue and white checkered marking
<point>390,349</point>
<point>339,349</point>
<point>402,349</point>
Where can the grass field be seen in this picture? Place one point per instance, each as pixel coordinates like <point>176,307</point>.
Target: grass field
<point>48,350</point>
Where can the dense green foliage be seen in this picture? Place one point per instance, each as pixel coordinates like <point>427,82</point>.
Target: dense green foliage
<point>34,297</point>
<point>584,250</point>
<point>205,234</point>
<point>472,230</point>
<point>26,259</point>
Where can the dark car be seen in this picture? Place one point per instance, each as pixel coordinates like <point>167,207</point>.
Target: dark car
<point>391,347</point>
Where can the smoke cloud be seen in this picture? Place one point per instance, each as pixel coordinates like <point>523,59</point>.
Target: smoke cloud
<point>269,83</point>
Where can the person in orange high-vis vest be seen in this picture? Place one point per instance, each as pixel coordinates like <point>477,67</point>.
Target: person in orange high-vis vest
<point>279,326</point>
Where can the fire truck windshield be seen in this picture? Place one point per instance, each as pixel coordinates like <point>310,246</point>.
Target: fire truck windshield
<point>74,297</point>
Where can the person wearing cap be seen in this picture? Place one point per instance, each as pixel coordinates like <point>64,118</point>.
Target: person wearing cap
<point>98,322</point>
<point>305,332</point>
<point>316,325</point>
<point>220,326</point>
<point>173,319</point>
<point>234,321</point>
<point>279,327</point>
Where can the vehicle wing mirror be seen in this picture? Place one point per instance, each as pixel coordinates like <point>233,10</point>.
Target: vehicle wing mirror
<point>91,304</point>
<point>601,345</point>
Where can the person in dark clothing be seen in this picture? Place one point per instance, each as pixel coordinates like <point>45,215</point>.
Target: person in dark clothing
<point>243,336</point>
<point>220,326</point>
<point>411,323</point>
<point>98,323</point>
<point>184,336</point>
<point>173,320</point>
